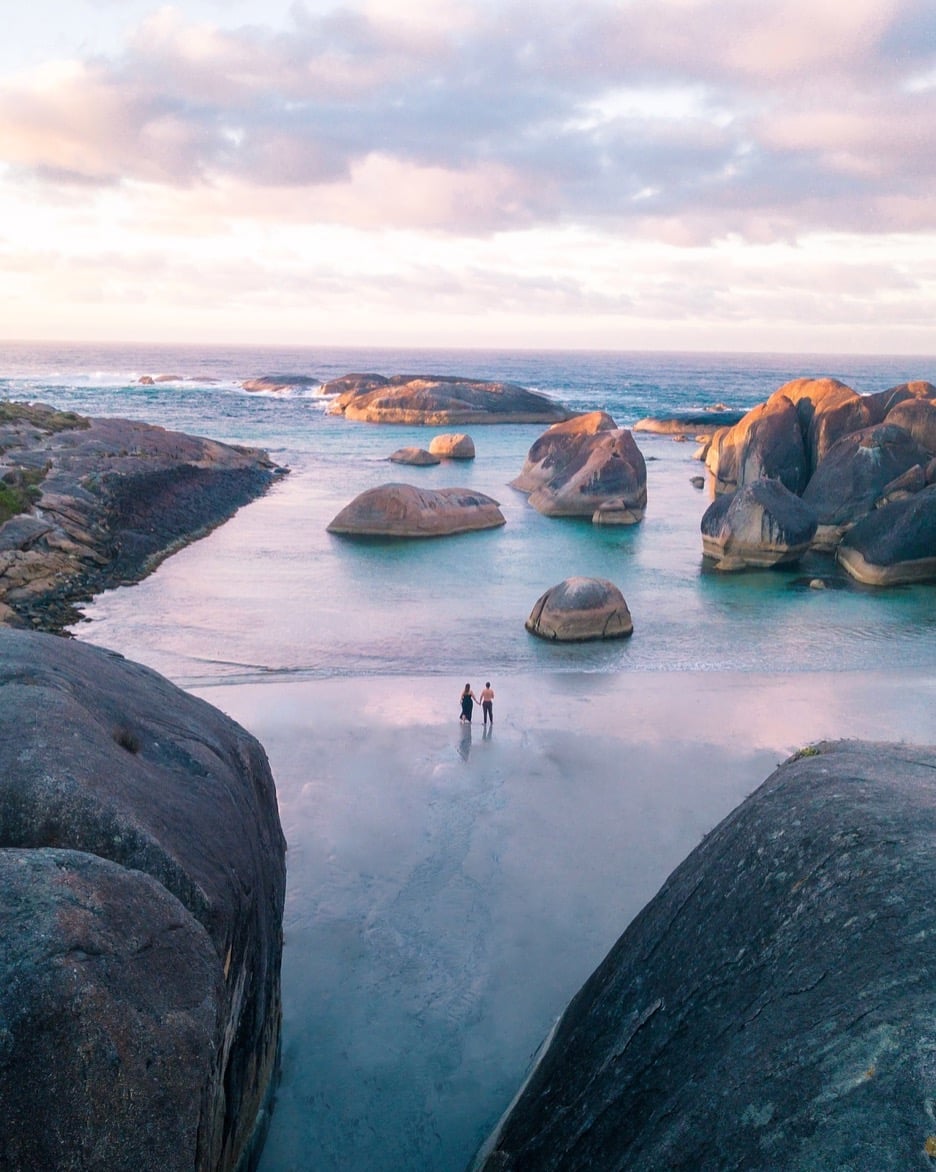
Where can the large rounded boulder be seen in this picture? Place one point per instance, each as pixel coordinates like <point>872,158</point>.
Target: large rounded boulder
<point>402,510</point>
<point>575,468</point>
<point>438,399</point>
<point>579,610</point>
<point>142,877</point>
<point>773,1006</point>
<point>453,446</point>
<point>895,544</point>
<point>762,524</point>
<point>766,442</point>
<point>854,475</point>
<point>918,417</point>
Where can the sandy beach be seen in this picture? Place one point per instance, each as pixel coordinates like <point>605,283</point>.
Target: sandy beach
<point>449,892</point>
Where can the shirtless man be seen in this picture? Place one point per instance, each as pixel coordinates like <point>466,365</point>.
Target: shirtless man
<point>487,703</point>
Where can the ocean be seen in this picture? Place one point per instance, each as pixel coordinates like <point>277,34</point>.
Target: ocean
<point>448,891</point>
<point>282,597</point>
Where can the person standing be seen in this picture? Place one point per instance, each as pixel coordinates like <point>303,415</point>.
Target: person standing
<point>468,701</point>
<point>487,703</point>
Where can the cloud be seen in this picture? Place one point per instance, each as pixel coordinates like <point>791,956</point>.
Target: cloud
<point>681,120</point>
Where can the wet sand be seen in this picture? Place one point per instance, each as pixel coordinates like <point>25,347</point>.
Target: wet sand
<point>450,891</point>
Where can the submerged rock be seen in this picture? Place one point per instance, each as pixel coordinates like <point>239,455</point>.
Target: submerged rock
<point>278,384</point>
<point>690,422</point>
<point>438,399</point>
<point>772,1006</point>
<point>579,610</point>
<point>762,524</point>
<point>416,456</point>
<point>142,878</point>
<point>402,510</point>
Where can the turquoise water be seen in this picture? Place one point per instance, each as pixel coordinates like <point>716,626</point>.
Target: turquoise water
<point>275,594</point>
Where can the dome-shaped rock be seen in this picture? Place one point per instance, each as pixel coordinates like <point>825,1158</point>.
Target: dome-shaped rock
<point>762,524</point>
<point>893,544</point>
<point>453,446</point>
<point>576,467</point>
<point>416,456</point>
<point>581,609</point>
<point>402,510</point>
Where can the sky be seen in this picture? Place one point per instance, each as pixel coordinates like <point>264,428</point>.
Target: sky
<point>609,174</point>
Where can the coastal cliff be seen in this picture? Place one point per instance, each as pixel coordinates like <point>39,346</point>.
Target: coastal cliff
<point>87,504</point>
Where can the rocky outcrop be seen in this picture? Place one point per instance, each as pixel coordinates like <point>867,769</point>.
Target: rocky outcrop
<point>766,443</point>
<point>438,400</point>
<point>279,384</point>
<point>843,453</point>
<point>418,457</point>
<point>453,446</point>
<point>854,475</point>
<point>772,1007</point>
<point>690,422</point>
<point>87,504</point>
<point>895,544</point>
<point>142,881</point>
<point>762,524</point>
<point>402,510</point>
<point>577,467</point>
<point>579,610</point>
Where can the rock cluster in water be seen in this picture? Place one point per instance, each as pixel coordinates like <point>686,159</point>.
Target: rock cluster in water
<point>89,503</point>
<point>586,467</point>
<point>844,456</point>
<point>402,510</point>
<point>142,877</point>
<point>772,1006</point>
<point>438,399</point>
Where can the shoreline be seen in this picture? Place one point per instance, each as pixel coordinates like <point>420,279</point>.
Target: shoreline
<point>445,901</point>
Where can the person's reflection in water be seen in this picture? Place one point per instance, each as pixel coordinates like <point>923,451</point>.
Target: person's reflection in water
<point>486,731</point>
<point>464,741</point>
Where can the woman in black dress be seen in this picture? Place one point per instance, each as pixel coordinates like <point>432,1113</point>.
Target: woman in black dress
<point>468,699</point>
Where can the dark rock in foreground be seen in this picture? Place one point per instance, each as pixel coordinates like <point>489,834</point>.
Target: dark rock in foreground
<point>438,400</point>
<point>93,503</point>
<point>141,894</point>
<point>772,1008</point>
